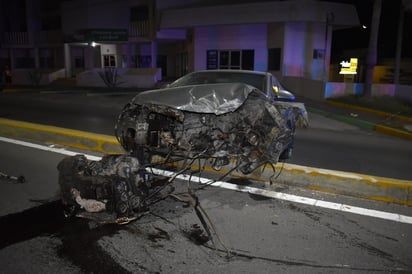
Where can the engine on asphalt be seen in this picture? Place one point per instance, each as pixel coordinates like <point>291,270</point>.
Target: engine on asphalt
<point>114,184</point>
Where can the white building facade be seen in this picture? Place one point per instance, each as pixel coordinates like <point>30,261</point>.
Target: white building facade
<point>149,40</point>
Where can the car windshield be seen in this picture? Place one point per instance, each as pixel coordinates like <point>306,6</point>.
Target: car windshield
<point>213,77</point>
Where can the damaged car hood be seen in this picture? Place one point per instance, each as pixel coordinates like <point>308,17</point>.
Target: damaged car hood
<point>213,98</point>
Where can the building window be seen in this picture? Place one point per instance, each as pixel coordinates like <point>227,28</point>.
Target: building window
<point>109,61</point>
<point>212,59</point>
<point>181,64</point>
<point>274,56</point>
<point>235,60</point>
<point>144,61</point>
<point>52,22</point>
<point>49,5</point>
<point>24,58</point>
<point>230,59</point>
<point>318,53</point>
<point>224,59</point>
<point>139,13</point>
<point>46,58</point>
<point>248,59</point>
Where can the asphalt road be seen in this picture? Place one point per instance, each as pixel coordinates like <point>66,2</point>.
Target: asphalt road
<point>254,234</point>
<point>325,144</point>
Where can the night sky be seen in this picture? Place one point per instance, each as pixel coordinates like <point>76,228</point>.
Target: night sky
<point>358,38</point>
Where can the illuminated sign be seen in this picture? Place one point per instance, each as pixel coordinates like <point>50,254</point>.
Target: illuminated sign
<point>349,67</point>
<point>99,35</point>
<point>108,35</point>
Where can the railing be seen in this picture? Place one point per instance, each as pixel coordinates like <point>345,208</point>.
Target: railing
<point>16,38</point>
<point>40,37</point>
<point>139,29</point>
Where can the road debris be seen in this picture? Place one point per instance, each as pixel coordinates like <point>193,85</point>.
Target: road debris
<point>14,179</point>
<point>111,184</point>
<point>118,190</point>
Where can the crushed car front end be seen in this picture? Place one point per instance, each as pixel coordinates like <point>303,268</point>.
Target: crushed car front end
<point>230,122</point>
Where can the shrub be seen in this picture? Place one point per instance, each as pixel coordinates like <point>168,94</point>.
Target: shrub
<point>110,77</point>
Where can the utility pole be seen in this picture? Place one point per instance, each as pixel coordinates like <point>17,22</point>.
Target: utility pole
<point>373,47</point>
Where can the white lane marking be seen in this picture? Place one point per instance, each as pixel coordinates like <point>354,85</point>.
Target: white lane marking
<point>48,148</point>
<point>263,192</point>
<point>290,197</point>
<point>62,91</point>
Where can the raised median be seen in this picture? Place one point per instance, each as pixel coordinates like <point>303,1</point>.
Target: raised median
<point>331,181</point>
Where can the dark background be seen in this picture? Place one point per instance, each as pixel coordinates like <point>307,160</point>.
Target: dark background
<point>358,37</point>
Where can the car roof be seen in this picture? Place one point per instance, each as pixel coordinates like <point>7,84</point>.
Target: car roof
<point>233,71</point>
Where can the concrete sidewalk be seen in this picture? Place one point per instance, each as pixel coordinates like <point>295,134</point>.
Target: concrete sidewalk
<point>331,181</point>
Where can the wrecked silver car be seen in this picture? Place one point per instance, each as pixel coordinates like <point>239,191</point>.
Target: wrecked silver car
<point>225,116</point>
<point>239,118</point>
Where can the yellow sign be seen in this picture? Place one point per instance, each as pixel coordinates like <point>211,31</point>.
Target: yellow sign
<point>349,67</point>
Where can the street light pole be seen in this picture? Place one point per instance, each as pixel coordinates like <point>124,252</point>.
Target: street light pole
<point>373,45</point>
<point>329,20</point>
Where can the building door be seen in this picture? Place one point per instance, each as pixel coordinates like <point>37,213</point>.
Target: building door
<point>162,63</point>
<point>109,61</point>
<point>181,64</point>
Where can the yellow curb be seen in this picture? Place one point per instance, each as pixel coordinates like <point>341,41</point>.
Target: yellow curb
<point>62,136</point>
<point>331,181</point>
<point>363,186</point>
<point>352,184</point>
<point>393,132</point>
<point>373,180</point>
<point>368,110</point>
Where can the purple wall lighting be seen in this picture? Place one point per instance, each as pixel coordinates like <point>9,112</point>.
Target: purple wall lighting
<point>335,89</point>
